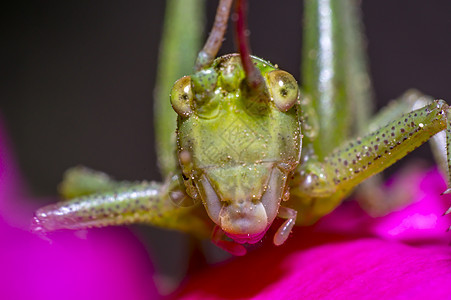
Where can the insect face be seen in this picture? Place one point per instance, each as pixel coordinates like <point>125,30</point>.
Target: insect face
<point>236,147</point>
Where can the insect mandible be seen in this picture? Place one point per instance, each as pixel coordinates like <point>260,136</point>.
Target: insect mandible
<point>239,146</point>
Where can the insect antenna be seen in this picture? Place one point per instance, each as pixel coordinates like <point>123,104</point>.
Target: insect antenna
<point>253,77</point>
<point>214,41</point>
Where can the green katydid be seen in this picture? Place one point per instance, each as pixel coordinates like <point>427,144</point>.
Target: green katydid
<point>251,148</point>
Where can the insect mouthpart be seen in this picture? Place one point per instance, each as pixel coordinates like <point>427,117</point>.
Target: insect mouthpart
<point>244,220</point>
<point>241,216</point>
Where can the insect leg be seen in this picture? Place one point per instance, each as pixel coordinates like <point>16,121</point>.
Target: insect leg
<point>372,196</point>
<point>145,202</point>
<point>181,39</point>
<point>359,159</point>
<point>81,181</point>
<point>335,100</point>
<point>318,190</point>
<point>411,100</point>
<point>334,71</point>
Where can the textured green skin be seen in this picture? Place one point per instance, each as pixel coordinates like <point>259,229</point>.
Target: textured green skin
<point>239,133</point>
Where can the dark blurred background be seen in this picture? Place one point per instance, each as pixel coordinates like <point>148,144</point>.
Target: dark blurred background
<point>77,77</point>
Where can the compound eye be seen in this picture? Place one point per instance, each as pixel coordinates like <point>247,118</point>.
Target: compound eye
<point>182,96</point>
<point>283,89</point>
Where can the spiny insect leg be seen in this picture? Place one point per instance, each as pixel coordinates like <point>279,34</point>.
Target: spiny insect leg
<point>411,100</point>
<point>372,196</point>
<point>145,202</point>
<point>122,206</point>
<point>357,160</point>
<point>319,186</point>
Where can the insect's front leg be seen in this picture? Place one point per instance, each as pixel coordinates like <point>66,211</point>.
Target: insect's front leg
<point>411,100</point>
<point>124,203</point>
<point>317,192</point>
<point>377,199</point>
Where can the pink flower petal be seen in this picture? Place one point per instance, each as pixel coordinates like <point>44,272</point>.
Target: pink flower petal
<point>108,264</point>
<point>419,222</point>
<point>423,219</point>
<point>11,187</point>
<point>325,266</point>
